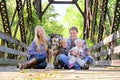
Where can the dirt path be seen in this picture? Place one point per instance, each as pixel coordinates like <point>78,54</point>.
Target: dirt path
<point>12,73</point>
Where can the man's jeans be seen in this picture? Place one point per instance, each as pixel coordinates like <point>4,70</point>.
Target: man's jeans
<point>64,60</point>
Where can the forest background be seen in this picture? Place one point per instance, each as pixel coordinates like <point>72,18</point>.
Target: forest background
<point>51,24</point>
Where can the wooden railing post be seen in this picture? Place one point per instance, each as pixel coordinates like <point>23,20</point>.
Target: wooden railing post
<point>114,50</point>
<point>102,55</point>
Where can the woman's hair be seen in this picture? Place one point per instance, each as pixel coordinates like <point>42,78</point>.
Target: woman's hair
<point>38,40</point>
<point>73,28</point>
<point>77,41</point>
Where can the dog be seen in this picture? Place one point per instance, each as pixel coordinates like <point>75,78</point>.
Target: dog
<point>53,50</point>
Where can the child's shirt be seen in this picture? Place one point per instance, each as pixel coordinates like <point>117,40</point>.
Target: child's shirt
<point>83,52</point>
<point>64,51</point>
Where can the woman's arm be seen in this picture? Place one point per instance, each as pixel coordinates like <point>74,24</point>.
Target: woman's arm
<point>32,49</point>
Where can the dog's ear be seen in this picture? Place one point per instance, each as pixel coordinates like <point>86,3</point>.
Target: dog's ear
<point>51,35</point>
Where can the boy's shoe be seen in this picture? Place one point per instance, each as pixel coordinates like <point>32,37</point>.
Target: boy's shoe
<point>71,65</point>
<point>66,67</point>
<point>59,66</point>
<point>86,66</point>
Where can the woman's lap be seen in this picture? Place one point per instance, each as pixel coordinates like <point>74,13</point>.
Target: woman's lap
<point>41,65</point>
<point>39,57</point>
<point>41,60</point>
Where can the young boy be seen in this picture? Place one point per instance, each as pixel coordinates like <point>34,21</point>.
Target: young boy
<point>63,49</point>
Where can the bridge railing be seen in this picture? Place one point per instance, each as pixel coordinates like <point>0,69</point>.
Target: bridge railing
<point>100,51</point>
<point>20,55</point>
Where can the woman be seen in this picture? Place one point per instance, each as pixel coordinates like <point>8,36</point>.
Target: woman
<point>37,51</point>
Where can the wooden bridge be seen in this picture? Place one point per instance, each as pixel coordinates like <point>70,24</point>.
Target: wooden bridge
<point>106,49</point>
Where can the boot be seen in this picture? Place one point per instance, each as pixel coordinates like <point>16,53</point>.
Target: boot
<point>28,64</point>
<point>86,66</point>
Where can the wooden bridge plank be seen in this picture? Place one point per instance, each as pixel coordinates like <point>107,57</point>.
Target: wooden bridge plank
<point>107,63</point>
<point>12,51</point>
<point>107,40</point>
<point>12,40</point>
<point>54,74</point>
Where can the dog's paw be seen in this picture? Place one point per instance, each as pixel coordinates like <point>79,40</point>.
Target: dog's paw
<point>52,66</point>
<point>48,66</point>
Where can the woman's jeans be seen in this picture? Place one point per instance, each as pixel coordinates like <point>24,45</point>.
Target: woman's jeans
<point>41,58</point>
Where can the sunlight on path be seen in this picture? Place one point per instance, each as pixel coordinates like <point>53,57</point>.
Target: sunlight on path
<point>38,74</point>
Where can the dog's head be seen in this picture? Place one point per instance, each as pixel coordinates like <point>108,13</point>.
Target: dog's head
<point>54,41</point>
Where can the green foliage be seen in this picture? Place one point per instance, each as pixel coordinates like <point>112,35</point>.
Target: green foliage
<point>74,20</point>
<point>72,17</point>
<point>49,21</point>
<point>1,24</point>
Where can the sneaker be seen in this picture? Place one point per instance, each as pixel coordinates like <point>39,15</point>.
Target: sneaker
<point>86,66</point>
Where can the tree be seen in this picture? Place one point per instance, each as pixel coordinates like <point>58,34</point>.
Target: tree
<point>74,18</point>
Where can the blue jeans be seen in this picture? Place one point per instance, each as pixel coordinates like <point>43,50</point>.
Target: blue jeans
<point>88,58</point>
<point>41,58</point>
<point>64,60</point>
<point>41,65</point>
<point>77,66</point>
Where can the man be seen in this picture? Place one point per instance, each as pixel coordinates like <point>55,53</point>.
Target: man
<point>64,60</point>
<point>73,31</point>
